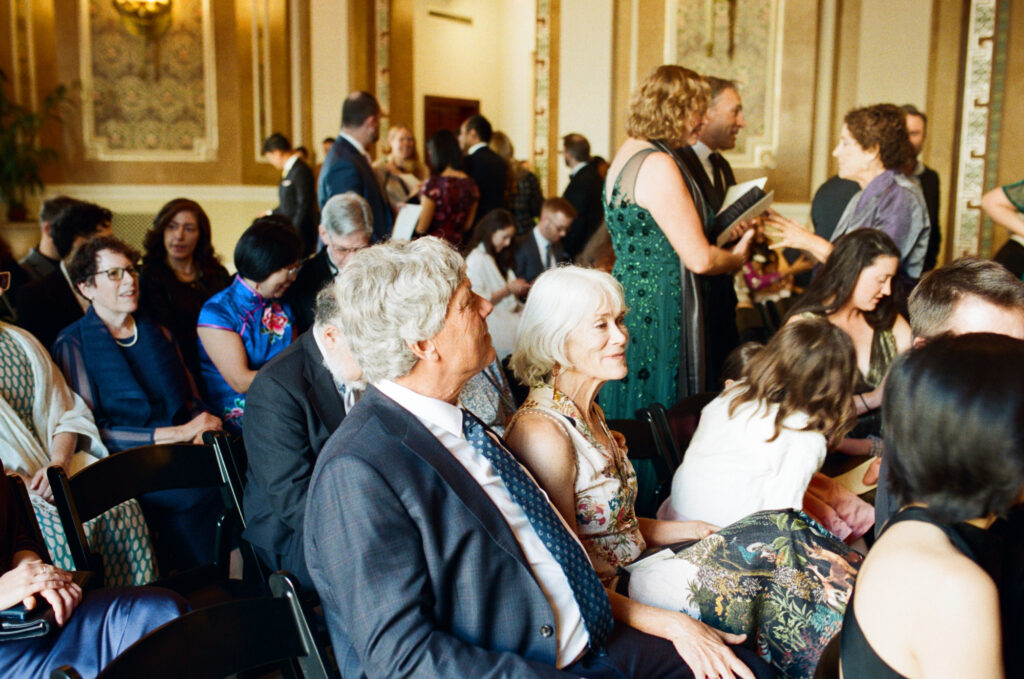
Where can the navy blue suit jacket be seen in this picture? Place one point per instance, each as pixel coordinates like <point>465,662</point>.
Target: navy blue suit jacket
<point>346,169</point>
<point>418,572</point>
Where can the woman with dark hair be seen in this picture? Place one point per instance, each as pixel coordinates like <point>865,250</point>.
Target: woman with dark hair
<point>522,188</point>
<point>245,325</point>
<point>489,268</point>
<point>924,605</point>
<point>450,196</point>
<point>659,227</point>
<point>873,148</point>
<point>180,271</point>
<point>853,291</point>
<point>130,373</point>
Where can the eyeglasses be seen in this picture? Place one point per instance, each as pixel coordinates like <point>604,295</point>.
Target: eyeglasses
<point>116,273</point>
<point>348,251</point>
<point>294,271</point>
<point>5,280</point>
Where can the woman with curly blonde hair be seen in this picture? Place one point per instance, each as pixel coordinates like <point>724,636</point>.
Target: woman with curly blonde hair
<point>658,222</point>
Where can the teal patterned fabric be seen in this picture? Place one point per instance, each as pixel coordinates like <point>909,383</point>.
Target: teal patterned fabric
<point>17,385</point>
<point>648,268</point>
<point>119,535</point>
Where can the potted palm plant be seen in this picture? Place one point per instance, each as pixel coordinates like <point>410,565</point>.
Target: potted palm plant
<point>21,153</point>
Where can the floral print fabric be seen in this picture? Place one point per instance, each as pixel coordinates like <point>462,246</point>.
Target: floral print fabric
<point>453,198</point>
<point>605,489</point>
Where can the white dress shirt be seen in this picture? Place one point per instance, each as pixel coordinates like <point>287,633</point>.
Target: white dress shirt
<point>289,164</point>
<point>445,422</point>
<point>475,147</point>
<point>704,152</point>
<point>355,142</point>
<point>544,249</point>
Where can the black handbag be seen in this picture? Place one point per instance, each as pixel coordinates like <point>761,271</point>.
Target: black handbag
<point>17,622</point>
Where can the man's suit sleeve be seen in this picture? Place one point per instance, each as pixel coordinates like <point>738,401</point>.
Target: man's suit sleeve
<point>305,197</point>
<point>280,457</point>
<point>340,177</point>
<point>365,555</point>
<point>521,260</point>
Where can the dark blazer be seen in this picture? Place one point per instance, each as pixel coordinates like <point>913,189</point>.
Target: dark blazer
<point>418,573</point>
<point>47,306</point>
<point>301,294</point>
<point>585,192</point>
<point>296,195</point>
<point>706,183</point>
<point>293,407</point>
<point>528,264</point>
<point>930,188</point>
<point>346,169</point>
<point>490,173</point>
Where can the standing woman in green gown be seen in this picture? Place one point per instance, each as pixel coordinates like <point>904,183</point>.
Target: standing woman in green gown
<point>656,217</point>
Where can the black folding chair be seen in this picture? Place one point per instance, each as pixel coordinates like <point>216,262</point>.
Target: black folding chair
<point>28,514</point>
<point>130,474</point>
<point>233,463</point>
<point>645,449</point>
<point>223,640</point>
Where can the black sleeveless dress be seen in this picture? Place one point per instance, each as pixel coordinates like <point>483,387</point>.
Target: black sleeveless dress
<point>858,659</point>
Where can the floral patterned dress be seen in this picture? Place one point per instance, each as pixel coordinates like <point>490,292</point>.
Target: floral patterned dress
<point>265,326</point>
<point>605,485</point>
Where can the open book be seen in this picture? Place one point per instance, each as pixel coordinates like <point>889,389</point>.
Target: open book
<point>742,202</point>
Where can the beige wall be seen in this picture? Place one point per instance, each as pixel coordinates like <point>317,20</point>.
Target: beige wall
<point>893,54</point>
<point>329,66</point>
<point>584,81</point>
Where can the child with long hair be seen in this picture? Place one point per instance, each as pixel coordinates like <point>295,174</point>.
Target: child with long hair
<point>760,442</point>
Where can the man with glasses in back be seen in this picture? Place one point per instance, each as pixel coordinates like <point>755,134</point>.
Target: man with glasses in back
<point>346,226</point>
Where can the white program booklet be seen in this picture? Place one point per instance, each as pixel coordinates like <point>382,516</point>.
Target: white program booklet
<point>737,190</point>
<point>405,222</point>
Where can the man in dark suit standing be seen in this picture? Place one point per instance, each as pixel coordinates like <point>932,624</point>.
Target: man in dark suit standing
<point>346,226</point>
<point>48,305</point>
<point>485,166</point>
<point>722,122</point>
<point>917,130</point>
<point>541,248</point>
<point>299,399</point>
<point>347,166</point>
<point>584,192</point>
<point>296,192</point>
<point>423,533</point>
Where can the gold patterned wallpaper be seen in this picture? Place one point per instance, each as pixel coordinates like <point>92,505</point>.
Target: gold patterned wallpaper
<point>148,101</point>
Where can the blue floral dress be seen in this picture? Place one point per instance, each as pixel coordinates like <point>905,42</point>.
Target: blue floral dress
<point>265,326</point>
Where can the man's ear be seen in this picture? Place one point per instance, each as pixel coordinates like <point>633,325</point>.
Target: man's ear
<point>424,350</point>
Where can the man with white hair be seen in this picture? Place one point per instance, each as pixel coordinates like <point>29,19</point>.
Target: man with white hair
<point>346,226</point>
<point>296,401</point>
<point>434,552</point>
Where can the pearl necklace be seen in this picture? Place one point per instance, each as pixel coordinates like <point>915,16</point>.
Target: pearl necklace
<point>134,339</point>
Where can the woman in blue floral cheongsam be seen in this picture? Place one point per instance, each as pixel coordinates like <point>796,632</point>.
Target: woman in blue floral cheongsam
<point>245,325</point>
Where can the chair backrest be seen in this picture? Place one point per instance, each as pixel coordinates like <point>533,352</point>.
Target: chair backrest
<point>222,640</point>
<point>643,445</point>
<point>123,476</point>
<point>657,416</point>
<point>28,514</point>
<point>684,416</point>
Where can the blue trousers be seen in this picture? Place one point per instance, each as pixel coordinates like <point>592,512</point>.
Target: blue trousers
<point>106,623</point>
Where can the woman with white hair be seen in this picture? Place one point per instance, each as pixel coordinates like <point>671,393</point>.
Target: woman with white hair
<point>346,226</point>
<point>786,580</point>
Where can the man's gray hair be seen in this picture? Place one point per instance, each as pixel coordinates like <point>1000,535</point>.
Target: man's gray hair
<point>395,293</point>
<point>347,213</point>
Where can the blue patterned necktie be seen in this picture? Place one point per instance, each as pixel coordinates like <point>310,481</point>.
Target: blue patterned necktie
<point>586,586</point>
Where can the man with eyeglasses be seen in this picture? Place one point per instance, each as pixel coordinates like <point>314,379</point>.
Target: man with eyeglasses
<point>48,305</point>
<point>346,226</point>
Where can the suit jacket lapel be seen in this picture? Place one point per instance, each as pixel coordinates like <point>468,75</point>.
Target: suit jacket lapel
<point>700,175</point>
<point>322,393</point>
<point>425,445</point>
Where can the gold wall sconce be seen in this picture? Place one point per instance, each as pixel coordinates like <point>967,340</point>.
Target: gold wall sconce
<point>149,20</point>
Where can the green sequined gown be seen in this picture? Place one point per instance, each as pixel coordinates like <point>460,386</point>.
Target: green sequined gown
<point>665,320</point>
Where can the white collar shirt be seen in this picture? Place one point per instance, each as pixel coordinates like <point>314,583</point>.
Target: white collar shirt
<point>544,249</point>
<point>289,164</point>
<point>475,147</point>
<point>355,142</point>
<point>444,421</point>
<point>704,152</point>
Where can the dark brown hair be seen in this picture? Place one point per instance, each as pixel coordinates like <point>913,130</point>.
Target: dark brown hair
<point>809,366</point>
<point>493,221</point>
<point>83,267</point>
<point>155,252</point>
<point>883,126</point>
<point>933,300</point>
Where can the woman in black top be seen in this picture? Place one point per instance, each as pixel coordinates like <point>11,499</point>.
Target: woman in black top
<point>927,599</point>
<point>180,271</point>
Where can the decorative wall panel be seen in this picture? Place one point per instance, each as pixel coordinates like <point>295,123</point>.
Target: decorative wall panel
<point>974,127</point>
<point>544,92</point>
<point>740,40</point>
<point>142,102</point>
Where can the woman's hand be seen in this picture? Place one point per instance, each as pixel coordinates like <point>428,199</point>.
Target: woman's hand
<point>40,485</point>
<point>201,423</point>
<point>743,245</point>
<point>786,233</point>
<point>871,473</point>
<point>31,577</point>
<point>704,648</point>
<point>698,530</point>
<point>518,287</point>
